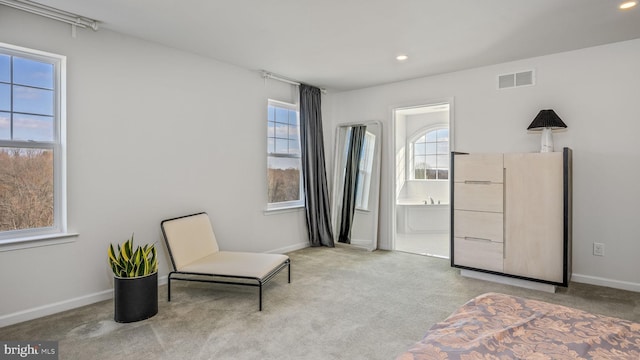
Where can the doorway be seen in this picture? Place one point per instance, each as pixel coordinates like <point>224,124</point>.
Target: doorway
<point>422,147</point>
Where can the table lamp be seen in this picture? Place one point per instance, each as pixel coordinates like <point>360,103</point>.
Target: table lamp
<point>546,120</point>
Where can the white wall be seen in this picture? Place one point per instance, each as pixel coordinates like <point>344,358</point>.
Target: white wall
<point>595,91</point>
<point>153,133</point>
<point>401,152</point>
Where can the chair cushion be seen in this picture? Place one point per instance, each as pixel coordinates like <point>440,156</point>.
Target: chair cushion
<point>190,238</point>
<point>237,264</point>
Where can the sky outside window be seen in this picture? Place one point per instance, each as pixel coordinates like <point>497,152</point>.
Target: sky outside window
<point>26,99</point>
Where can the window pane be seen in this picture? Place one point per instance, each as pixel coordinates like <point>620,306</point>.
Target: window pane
<point>282,115</point>
<point>419,166</point>
<point>293,118</point>
<point>431,174</point>
<point>430,148</point>
<point>431,161</point>
<point>5,97</point>
<point>431,136</point>
<point>443,161</point>
<point>443,174</point>
<point>26,188</point>
<point>294,147</point>
<point>443,148</point>
<point>271,113</point>
<point>5,129</point>
<point>32,127</point>
<point>443,135</point>
<point>282,130</point>
<point>419,148</point>
<point>293,132</point>
<point>282,146</point>
<point>271,145</point>
<point>33,101</point>
<point>283,176</point>
<point>32,73</point>
<point>271,129</point>
<point>5,68</point>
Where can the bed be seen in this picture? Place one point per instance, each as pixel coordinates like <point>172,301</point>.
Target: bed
<point>496,326</point>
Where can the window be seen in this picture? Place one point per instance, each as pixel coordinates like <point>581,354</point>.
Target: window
<point>31,143</point>
<point>430,155</point>
<point>284,164</point>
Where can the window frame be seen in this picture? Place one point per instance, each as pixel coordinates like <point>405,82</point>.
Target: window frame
<point>284,205</point>
<point>411,146</point>
<point>57,146</point>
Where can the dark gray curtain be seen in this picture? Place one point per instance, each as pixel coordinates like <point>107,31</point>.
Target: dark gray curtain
<point>351,175</point>
<point>313,168</point>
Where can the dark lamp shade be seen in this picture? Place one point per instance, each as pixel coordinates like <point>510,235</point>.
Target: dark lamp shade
<point>547,119</point>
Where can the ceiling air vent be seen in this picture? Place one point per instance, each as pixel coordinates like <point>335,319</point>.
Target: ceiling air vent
<point>523,78</point>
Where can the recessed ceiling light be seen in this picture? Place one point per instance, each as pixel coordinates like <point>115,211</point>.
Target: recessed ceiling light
<point>628,5</point>
<point>402,57</point>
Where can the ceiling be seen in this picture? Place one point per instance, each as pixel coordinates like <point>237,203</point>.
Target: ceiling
<point>350,44</point>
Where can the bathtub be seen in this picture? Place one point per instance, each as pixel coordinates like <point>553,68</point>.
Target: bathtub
<point>420,216</point>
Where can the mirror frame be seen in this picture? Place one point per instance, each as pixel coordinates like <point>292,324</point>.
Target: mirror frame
<point>374,203</point>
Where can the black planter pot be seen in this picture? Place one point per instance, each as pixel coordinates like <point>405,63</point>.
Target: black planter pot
<point>135,299</point>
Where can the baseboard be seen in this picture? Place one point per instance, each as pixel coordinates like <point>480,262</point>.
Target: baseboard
<point>599,281</point>
<point>361,242</point>
<point>356,245</point>
<point>290,248</point>
<point>54,308</point>
<point>508,280</point>
<point>50,309</point>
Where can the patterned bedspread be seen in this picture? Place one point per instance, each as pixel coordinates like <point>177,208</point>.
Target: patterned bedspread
<point>497,326</point>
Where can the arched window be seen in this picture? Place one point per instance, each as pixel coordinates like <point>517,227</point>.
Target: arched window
<point>430,155</point>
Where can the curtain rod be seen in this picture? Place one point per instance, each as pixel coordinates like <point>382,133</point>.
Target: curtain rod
<point>52,13</point>
<point>268,75</point>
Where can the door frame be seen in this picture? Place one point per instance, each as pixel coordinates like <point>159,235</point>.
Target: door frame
<point>391,155</point>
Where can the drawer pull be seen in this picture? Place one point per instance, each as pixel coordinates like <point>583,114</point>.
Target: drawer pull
<point>477,239</point>
<point>478,182</point>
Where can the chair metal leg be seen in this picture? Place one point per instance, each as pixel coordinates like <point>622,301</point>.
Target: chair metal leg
<point>260,296</point>
<point>169,288</point>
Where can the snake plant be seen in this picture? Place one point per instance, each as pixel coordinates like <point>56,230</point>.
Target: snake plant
<point>130,263</point>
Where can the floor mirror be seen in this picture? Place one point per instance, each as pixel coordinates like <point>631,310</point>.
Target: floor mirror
<point>356,184</point>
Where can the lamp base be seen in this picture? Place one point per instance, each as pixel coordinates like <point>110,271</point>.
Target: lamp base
<point>546,143</point>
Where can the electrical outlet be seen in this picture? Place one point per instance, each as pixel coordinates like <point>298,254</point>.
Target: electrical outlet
<point>598,249</point>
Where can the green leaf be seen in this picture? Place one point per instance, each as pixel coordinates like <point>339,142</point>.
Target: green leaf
<point>127,249</point>
<point>112,254</point>
<point>142,270</point>
<point>130,262</point>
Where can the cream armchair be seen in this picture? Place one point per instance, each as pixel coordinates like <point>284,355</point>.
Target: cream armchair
<point>195,256</point>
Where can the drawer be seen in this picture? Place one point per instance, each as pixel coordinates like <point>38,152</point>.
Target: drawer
<point>479,254</point>
<point>478,197</point>
<point>476,224</point>
<point>478,167</point>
